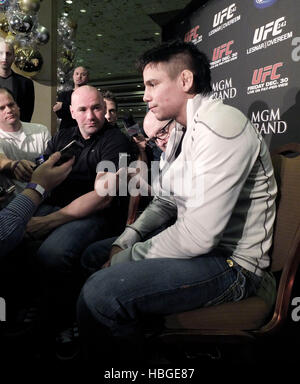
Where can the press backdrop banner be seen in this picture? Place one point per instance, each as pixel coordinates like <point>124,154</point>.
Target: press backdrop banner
<point>254,51</point>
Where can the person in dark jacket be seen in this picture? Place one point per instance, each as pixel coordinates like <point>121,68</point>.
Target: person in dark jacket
<point>62,106</point>
<point>21,86</point>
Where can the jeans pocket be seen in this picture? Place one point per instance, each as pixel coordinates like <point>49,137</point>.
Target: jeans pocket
<point>234,292</point>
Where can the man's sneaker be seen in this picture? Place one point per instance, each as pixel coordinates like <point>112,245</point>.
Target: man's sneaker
<point>67,344</point>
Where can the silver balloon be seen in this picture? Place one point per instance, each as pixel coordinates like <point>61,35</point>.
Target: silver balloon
<point>66,28</point>
<point>41,35</point>
<point>21,23</point>
<point>23,40</point>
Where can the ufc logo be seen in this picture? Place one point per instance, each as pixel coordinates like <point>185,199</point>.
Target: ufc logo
<point>227,13</point>
<point>221,50</point>
<point>260,75</point>
<point>192,34</point>
<point>274,27</point>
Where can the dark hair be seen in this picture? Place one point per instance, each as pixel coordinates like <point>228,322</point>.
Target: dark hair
<point>4,89</point>
<point>109,96</point>
<point>187,57</point>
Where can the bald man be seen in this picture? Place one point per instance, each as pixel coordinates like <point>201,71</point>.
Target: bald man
<point>74,215</point>
<point>158,131</point>
<point>62,106</point>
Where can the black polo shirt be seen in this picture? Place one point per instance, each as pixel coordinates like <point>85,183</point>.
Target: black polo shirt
<point>103,145</point>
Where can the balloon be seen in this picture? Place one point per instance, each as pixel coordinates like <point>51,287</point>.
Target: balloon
<point>28,60</point>
<point>10,38</point>
<point>41,35</point>
<point>66,28</point>
<point>23,40</point>
<point>65,64</point>
<point>4,5</point>
<point>4,27</point>
<point>29,5</point>
<point>20,23</point>
<point>68,54</point>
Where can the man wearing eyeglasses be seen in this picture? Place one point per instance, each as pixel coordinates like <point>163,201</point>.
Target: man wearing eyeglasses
<point>223,186</point>
<point>157,131</point>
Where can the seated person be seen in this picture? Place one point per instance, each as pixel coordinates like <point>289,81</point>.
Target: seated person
<point>20,143</point>
<point>152,127</point>
<point>74,215</point>
<point>111,108</point>
<point>13,220</point>
<point>14,217</point>
<point>223,186</point>
<point>160,133</point>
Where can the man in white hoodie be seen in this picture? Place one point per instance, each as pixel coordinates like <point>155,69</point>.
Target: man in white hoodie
<point>160,133</point>
<point>224,190</point>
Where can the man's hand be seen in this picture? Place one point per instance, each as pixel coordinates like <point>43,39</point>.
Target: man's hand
<point>48,175</point>
<point>22,170</point>
<point>57,106</point>
<point>39,227</point>
<point>114,250</point>
<point>141,142</point>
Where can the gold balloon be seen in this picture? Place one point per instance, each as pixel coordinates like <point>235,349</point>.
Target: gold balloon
<point>4,27</point>
<point>28,60</point>
<point>29,5</point>
<point>10,38</point>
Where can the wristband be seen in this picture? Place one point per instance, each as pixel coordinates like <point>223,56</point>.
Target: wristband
<point>38,188</point>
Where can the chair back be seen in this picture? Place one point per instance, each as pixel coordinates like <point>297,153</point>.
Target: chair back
<point>286,162</point>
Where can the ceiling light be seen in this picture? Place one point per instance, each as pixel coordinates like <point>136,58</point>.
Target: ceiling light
<point>139,86</point>
<point>83,10</point>
<point>99,34</point>
<point>65,14</point>
<point>156,33</point>
<point>88,49</point>
<point>69,1</point>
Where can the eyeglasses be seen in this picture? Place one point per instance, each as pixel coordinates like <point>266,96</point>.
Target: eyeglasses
<point>162,134</point>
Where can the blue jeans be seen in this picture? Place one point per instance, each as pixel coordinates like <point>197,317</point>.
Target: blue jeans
<point>115,301</point>
<point>64,246</point>
<point>96,255</point>
<point>59,260</point>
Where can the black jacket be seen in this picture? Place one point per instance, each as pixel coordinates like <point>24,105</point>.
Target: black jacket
<point>23,91</point>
